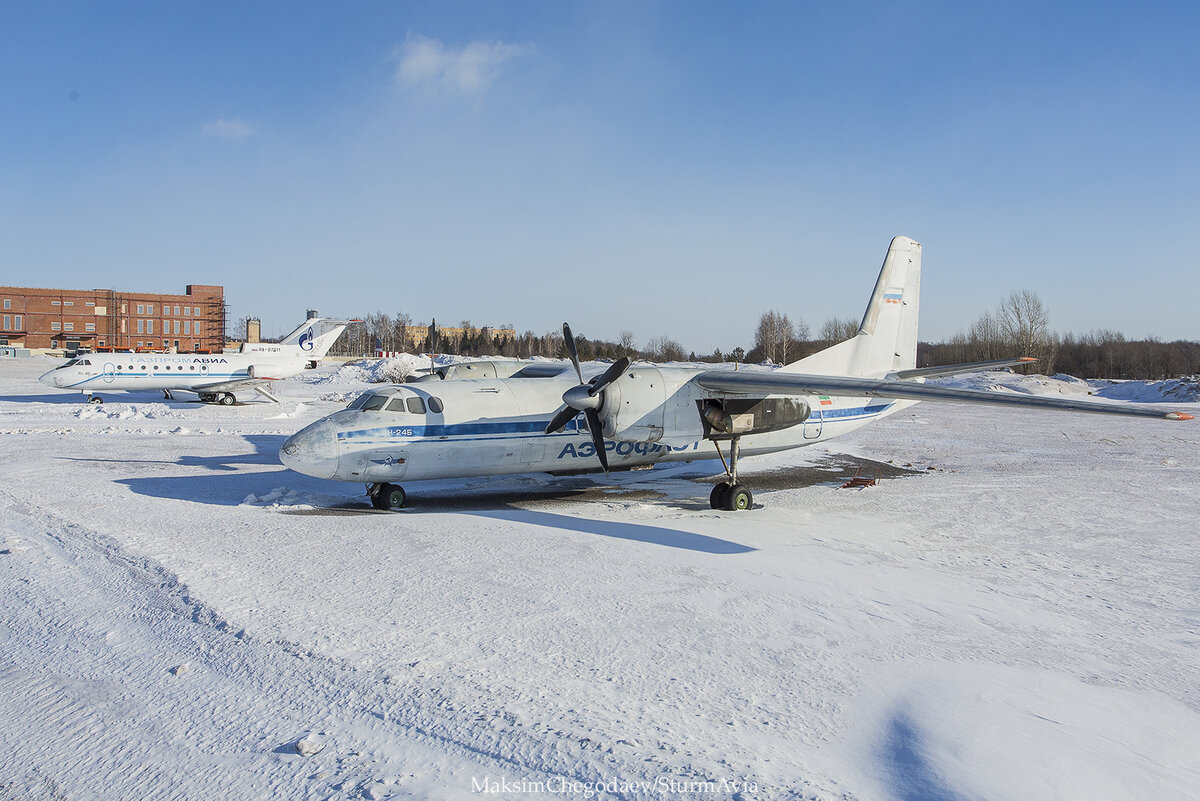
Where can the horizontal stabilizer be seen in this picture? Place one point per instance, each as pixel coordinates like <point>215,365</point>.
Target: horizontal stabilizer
<point>958,369</point>
<point>781,383</point>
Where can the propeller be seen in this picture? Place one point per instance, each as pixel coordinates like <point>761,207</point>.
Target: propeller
<point>586,398</point>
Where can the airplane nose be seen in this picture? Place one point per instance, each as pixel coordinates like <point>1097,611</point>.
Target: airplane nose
<point>312,450</point>
<point>49,379</point>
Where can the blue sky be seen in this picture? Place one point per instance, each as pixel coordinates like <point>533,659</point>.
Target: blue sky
<point>667,168</point>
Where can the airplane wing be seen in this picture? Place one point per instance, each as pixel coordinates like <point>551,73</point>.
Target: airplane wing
<point>750,382</point>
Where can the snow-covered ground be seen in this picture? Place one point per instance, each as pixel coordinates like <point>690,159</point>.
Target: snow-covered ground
<point>1015,615</point>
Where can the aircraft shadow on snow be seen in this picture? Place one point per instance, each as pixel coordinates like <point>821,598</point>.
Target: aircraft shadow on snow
<point>225,484</point>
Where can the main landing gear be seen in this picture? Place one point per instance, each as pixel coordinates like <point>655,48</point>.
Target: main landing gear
<point>223,398</point>
<point>95,399</point>
<point>386,496</point>
<point>729,494</point>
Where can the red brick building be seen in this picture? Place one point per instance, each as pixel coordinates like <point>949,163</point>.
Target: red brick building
<point>105,318</point>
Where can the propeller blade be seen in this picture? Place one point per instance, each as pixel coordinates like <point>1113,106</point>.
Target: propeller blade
<point>610,375</point>
<point>563,417</point>
<point>569,338</point>
<point>593,418</point>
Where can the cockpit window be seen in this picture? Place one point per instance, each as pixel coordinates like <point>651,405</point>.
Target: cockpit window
<point>375,403</point>
<point>435,404</point>
<point>395,405</point>
<point>359,401</point>
<point>416,406</point>
<point>67,364</point>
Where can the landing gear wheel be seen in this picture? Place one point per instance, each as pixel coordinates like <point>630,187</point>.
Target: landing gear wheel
<point>738,499</point>
<point>227,399</point>
<point>718,496</point>
<point>207,397</point>
<point>95,399</point>
<point>389,496</point>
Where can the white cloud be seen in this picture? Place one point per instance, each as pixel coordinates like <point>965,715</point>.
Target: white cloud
<point>228,129</point>
<point>427,62</point>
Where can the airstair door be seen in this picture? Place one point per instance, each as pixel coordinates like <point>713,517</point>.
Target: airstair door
<point>815,422</point>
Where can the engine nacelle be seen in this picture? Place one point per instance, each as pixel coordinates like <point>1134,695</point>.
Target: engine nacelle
<point>267,371</point>
<point>737,416</point>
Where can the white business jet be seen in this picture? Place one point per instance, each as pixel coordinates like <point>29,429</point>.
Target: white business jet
<point>214,377</point>
<point>548,418</point>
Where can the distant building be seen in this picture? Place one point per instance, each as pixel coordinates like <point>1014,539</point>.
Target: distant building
<point>416,334</point>
<point>105,318</point>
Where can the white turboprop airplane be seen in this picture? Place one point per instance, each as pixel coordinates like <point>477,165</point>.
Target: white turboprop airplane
<point>214,377</point>
<point>542,420</point>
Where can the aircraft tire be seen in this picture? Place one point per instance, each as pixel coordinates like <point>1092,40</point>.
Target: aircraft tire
<point>227,399</point>
<point>96,399</point>
<point>717,499</point>
<point>739,498</point>
<point>391,496</point>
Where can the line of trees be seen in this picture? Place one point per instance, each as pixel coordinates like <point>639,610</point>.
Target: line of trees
<point>1019,326</point>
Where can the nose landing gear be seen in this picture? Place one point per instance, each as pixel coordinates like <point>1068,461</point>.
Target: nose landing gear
<point>386,496</point>
<point>729,495</point>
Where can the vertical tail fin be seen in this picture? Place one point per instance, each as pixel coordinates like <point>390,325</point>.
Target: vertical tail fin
<point>316,336</point>
<point>887,338</point>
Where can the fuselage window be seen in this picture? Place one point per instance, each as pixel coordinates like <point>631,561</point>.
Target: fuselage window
<point>435,405</point>
<point>416,406</point>
<point>375,403</point>
<point>395,405</point>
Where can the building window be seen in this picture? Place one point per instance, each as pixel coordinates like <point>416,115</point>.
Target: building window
<point>177,311</point>
<point>149,308</point>
<point>68,326</point>
<point>8,322</point>
<point>19,320</point>
<point>141,328</point>
<point>196,311</point>
<point>141,308</point>
<point>186,310</point>
<point>56,303</point>
<point>55,326</point>
<point>187,326</point>
<point>69,303</point>
<point>89,303</point>
<point>89,326</point>
<point>195,328</point>
<point>149,326</point>
<point>7,303</point>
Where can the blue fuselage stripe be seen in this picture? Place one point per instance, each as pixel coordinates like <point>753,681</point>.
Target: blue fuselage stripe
<point>469,432</point>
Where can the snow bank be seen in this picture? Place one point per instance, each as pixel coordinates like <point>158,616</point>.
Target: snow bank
<point>1175,390</point>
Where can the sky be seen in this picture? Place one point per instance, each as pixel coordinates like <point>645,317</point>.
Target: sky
<point>664,168</point>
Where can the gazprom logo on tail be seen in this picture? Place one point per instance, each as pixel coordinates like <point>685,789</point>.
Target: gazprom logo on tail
<point>306,339</point>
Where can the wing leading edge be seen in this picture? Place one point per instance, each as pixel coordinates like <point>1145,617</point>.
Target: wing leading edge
<point>799,384</point>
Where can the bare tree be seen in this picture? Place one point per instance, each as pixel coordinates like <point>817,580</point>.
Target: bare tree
<point>775,335</point>
<point>627,343</point>
<point>1024,324</point>
<point>838,329</point>
<point>665,349</point>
